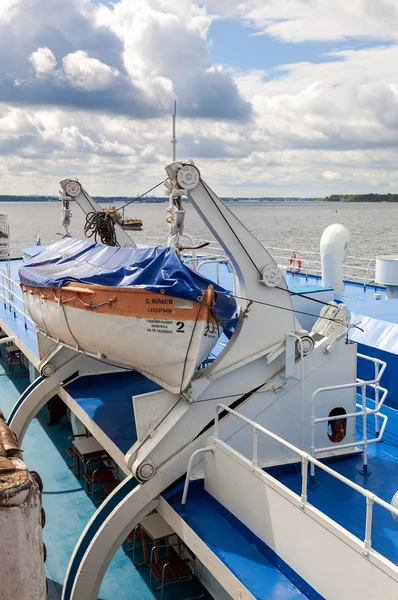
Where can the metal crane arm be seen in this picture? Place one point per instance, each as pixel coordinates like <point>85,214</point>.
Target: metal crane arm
<point>73,190</point>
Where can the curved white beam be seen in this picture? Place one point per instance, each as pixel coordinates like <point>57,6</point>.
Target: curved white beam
<point>271,316</point>
<point>27,406</point>
<point>75,191</point>
<point>112,523</point>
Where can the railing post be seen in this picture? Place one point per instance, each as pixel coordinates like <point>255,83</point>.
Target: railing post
<point>218,272</point>
<point>216,423</point>
<point>364,431</point>
<point>368,525</point>
<point>377,398</point>
<point>194,261</point>
<point>24,315</point>
<point>312,447</point>
<point>4,293</point>
<point>255,447</point>
<point>13,296</point>
<point>188,475</point>
<point>304,479</point>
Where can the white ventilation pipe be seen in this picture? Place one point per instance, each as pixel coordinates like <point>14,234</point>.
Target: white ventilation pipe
<point>387,274</point>
<point>334,245</point>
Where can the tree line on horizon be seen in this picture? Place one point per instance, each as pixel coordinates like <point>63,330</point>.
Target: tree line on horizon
<point>360,198</point>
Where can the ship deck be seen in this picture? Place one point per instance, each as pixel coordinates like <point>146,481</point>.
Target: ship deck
<point>12,315</point>
<point>343,504</point>
<point>106,400</point>
<point>253,562</point>
<point>68,508</point>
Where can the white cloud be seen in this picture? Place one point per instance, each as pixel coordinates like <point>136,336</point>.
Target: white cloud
<point>43,61</point>
<point>96,102</point>
<point>331,175</point>
<point>165,49</point>
<point>298,20</point>
<point>88,73</point>
<point>8,8</point>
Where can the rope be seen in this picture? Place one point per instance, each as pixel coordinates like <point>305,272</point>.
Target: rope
<point>80,348</point>
<point>301,312</point>
<point>101,225</point>
<point>302,295</point>
<point>230,227</point>
<point>142,195</point>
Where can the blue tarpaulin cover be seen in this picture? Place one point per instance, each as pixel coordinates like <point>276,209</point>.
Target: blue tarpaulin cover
<point>152,269</point>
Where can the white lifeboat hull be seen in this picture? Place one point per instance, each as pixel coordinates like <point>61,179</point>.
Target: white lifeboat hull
<point>162,337</point>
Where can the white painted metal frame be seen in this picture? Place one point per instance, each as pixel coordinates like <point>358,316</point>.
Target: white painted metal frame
<point>358,269</point>
<point>190,465</point>
<point>10,299</point>
<point>364,412</point>
<point>306,458</point>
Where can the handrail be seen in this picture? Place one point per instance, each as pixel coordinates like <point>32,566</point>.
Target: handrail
<point>217,262</point>
<point>363,413</point>
<point>12,291</point>
<point>367,271</point>
<point>359,273</point>
<point>306,458</point>
<point>15,307</point>
<point>189,469</point>
<point>12,294</point>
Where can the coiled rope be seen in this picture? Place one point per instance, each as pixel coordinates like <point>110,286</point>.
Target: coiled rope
<point>102,226</point>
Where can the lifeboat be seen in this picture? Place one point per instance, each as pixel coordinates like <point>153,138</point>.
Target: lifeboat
<point>136,307</point>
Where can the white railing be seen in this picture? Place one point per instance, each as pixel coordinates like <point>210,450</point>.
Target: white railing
<point>356,268</point>
<point>380,367</point>
<point>306,458</point>
<point>12,300</point>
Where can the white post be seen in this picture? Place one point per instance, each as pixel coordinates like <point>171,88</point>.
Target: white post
<point>255,447</point>
<point>312,447</point>
<point>364,430</point>
<point>174,140</point>
<point>188,477</point>
<point>304,479</point>
<point>377,396</point>
<point>368,525</point>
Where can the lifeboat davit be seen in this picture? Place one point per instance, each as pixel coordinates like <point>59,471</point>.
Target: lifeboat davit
<point>137,307</point>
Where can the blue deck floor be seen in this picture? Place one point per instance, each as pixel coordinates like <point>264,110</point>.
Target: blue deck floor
<point>107,399</point>
<point>253,563</point>
<point>343,504</point>
<point>68,508</point>
<point>226,538</point>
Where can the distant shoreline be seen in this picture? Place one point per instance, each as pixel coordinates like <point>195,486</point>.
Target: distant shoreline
<point>335,198</point>
<point>229,200</point>
<point>359,198</point>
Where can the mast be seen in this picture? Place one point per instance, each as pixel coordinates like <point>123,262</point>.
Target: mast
<point>174,140</point>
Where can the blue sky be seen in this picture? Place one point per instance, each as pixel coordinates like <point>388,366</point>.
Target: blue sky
<point>236,44</point>
<point>275,97</point>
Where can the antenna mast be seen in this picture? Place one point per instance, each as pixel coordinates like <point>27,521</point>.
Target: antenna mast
<point>174,140</point>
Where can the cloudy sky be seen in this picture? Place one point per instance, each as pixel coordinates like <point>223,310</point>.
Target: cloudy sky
<point>275,97</point>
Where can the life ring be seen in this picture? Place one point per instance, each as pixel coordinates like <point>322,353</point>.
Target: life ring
<point>295,263</point>
<point>338,430</point>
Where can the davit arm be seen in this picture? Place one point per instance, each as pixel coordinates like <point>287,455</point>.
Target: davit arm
<point>73,190</point>
<point>256,352</point>
<point>259,277</point>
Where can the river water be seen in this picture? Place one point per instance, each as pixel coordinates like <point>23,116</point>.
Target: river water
<point>298,226</point>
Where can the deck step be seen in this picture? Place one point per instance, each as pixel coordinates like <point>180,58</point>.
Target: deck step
<point>242,557</point>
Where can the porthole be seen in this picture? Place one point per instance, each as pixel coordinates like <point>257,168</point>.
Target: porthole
<point>337,428</point>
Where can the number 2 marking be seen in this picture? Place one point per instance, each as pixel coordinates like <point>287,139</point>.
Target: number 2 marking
<point>180,326</point>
